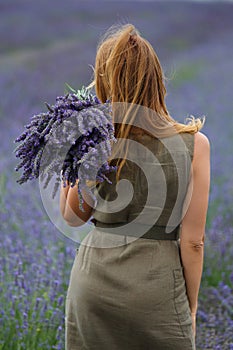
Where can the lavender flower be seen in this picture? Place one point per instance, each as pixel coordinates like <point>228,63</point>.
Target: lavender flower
<point>78,123</point>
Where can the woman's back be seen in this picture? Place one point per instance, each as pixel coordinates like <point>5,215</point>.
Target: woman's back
<point>155,179</point>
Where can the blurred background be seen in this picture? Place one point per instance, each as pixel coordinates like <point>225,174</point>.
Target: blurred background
<point>44,45</point>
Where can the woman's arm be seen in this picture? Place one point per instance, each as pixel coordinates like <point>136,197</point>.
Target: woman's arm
<point>193,224</point>
<point>69,206</point>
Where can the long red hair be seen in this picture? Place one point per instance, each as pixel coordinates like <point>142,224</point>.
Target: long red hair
<point>128,71</point>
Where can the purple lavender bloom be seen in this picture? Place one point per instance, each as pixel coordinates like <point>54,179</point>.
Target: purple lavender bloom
<point>56,127</point>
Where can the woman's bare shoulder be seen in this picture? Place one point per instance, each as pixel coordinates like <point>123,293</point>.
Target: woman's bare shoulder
<point>202,139</point>
<point>201,145</point>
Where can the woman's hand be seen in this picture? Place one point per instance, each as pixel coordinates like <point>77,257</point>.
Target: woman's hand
<point>69,205</point>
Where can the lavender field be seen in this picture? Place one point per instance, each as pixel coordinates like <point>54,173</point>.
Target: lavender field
<point>44,45</point>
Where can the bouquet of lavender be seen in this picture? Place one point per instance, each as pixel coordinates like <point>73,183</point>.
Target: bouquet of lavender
<point>72,141</point>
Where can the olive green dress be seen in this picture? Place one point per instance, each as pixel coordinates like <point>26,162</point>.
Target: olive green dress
<point>127,288</point>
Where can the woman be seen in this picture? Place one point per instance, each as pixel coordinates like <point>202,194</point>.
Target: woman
<point>142,291</point>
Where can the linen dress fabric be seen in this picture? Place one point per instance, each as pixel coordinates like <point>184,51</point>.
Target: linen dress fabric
<point>127,288</point>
